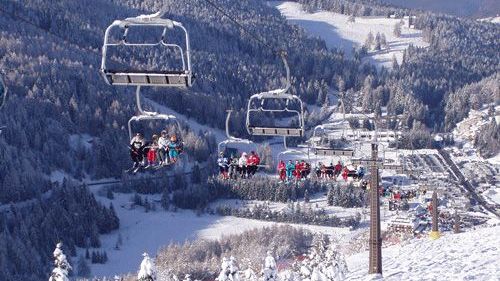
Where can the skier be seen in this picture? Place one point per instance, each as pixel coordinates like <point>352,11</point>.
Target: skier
<point>253,163</point>
<point>136,146</point>
<point>298,170</point>
<point>338,169</point>
<point>345,173</point>
<point>233,166</point>
<point>282,170</point>
<point>317,169</point>
<point>290,167</point>
<point>151,153</point>
<point>360,172</point>
<point>223,163</point>
<point>163,148</point>
<point>330,170</point>
<point>174,148</point>
<point>242,164</point>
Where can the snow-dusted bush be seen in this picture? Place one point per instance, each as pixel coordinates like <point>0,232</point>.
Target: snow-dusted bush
<point>203,258</point>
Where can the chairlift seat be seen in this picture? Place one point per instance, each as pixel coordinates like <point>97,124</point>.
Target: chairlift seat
<point>276,131</point>
<point>334,152</point>
<point>148,78</point>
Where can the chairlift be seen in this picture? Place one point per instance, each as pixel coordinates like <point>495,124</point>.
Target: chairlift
<point>135,77</point>
<point>292,154</point>
<point>233,145</point>
<point>256,105</point>
<point>320,150</point>
<point>145,116</point>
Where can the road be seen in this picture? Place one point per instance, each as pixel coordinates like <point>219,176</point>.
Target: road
<point>466,184</point>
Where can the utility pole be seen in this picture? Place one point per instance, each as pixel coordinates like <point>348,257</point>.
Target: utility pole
<point>375,241</point>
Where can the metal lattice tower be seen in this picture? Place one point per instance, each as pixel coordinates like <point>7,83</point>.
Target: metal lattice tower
<point>375,240</point>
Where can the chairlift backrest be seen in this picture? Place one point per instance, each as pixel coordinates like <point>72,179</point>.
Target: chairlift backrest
<point>256,106</point>
<point>135,77</point>
<point>156,117</point>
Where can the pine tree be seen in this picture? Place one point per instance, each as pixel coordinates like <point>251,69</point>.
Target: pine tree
<point>147,271</point>
<point>269,272</point>
<point>62,266</point>
<point>369,41</point>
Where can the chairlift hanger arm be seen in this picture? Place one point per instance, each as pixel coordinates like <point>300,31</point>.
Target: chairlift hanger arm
<point>3,97</point>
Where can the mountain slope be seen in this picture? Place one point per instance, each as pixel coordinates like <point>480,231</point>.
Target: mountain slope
<point>472,255</point>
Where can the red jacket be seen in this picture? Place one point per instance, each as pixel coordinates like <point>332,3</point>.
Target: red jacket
<point>253,160</point>
<point>338,167</point>
<point>281,166</point>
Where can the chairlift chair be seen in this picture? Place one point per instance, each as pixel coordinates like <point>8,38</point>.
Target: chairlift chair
<point>134,77</point>
<point>289,153</point>
<point>320,150</point>
<point>233,145</point>
<point>256,105</point>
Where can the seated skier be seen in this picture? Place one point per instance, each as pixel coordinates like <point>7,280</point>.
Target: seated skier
<point>163,148</point>
<point>136,146</point>
<point>174,149</point>
<point>253,163</point>
<point>290,167</point>
<point>282,170</point>
<point>338,169</point>
<point>152,151</point>
<point>233,167</point>
<point>242,164</point>
<point>223,164</point>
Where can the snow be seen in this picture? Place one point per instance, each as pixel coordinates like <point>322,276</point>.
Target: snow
<point>491,19</point>
<point>471,255</point>
<point>335,30</point>
<point>159,228</point>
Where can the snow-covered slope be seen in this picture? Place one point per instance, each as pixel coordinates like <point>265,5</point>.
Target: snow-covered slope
<point>473,255</point>
<point>337,32</point>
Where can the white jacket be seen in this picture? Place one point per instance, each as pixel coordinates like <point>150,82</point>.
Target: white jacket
<point>243,160</point>
<point>163,142</point>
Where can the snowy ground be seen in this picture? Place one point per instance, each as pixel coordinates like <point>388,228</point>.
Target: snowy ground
<point>472,255</point>
<point>147,232</point>
<point>335,30</point>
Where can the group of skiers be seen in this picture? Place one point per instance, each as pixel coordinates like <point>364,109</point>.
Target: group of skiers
<point>298,170</point>
<point>244,166</point>
<point>160,151</point>
<point>333,171</point>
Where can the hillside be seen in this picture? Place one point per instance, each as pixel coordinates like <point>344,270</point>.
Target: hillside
<point>338,32</point>
<point>472,255</point>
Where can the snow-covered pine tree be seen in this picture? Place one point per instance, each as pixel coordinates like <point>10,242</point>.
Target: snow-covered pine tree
<point>147,271</point>
<point>269,273</point>
<point>229,270</point>
<point>324,263</point>
<point>62,266</point>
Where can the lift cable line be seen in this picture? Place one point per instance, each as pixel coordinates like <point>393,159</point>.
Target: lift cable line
<point>252,34</point>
